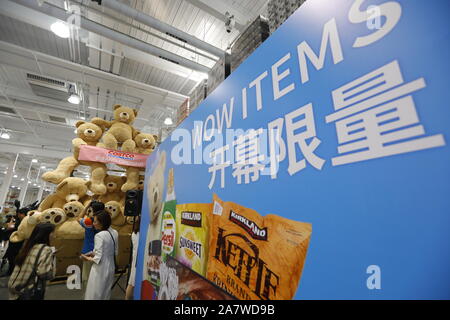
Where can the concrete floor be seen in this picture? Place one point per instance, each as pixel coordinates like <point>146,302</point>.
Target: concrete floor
<point>61,292</point>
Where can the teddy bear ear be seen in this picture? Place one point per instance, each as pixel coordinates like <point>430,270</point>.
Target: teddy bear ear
<point>79,123</point>
<point>156,137</point>
<point>124,179</point>
<point>117,106</point>
<point>88,184</point>
<point>135,112</point>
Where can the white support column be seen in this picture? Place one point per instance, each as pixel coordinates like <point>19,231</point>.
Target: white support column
<point>23,192</point>
<point>41,191</point>
<point>6,183</point>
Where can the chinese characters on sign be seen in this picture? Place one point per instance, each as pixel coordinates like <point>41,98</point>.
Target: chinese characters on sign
<point>375,117</point>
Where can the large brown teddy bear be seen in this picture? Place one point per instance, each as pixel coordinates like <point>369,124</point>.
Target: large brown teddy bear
<point>120,131</point>
<point>145,144</point>
<point>118,220</point>
<point>70,189</point>
<point>113,192</point>
<point>88,134</point>
<point>70,228</point>
<point>26,227</point>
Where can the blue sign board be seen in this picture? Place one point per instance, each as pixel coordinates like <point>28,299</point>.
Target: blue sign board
<point>339,119</point>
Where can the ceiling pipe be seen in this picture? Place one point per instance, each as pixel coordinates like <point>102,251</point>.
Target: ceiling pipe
<point>161,26</point>
<point>113,35</point>
<point>121,21</point>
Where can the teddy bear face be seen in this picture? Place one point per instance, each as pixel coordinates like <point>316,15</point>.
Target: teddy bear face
<point>73,209</point>
<point>114,183</point>
<point>141,183</point>
<point>88,131</point>
<point>90,213</point>
<point>55,216</point>
<point>155,189</point>
<point>145,140</point>
<point>72,189</point>
<point>124,114</point>
<point>113,208</point>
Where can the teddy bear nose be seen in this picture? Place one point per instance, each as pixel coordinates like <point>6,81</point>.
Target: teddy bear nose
<point>110,184</point>
<point>89,131</point>
<point>145,140</point>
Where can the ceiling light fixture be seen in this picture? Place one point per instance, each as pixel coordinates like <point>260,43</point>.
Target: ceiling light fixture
<point>168,121</point>
<point>74,99</point>
<point>5,135</point>
<point>15,176</point>
<point>61,29</point>
<point>22,179</point>
<point>34,161</point>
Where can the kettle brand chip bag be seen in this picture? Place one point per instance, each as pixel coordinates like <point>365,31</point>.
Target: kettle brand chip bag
<point>192,235</point>
<point>254,257</point>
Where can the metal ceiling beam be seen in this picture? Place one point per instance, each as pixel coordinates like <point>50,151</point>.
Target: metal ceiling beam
<point>44,21</point>
<point>125,23</point>
<point>112,34</point>
<point>217,14</point>
<point>161,26</point>
<point>30,149</point>
<point>14,55</point>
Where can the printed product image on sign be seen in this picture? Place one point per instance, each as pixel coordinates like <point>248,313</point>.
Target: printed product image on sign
<point>155,201</point>
<point>255,257</point>
<point>168,228</point>
<point>192,240</point>
<point>181,283</point>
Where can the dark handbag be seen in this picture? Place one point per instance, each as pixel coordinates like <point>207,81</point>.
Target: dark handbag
<point>37,291</point>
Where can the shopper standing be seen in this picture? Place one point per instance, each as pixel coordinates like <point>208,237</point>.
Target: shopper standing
<point>101,277</point>
<point>135,242</point>
<point>35,264</point>
<point>14,247</point>
<point>85,221</point>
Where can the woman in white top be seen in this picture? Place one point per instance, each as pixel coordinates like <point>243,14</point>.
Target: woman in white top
<point>135,242</point>
<point>106,242</point>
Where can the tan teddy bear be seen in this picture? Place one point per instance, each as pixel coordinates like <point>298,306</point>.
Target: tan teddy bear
<point>26,227</point>
<point>70,189</point>
<point>70,228</point>
<point>88,134</point>
<point>120,131</point>
<point>115,209</point>
<point>113,192</point>
<point>145,143</point>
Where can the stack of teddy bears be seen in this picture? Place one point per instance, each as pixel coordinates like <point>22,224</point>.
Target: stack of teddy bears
<point>70,199</point>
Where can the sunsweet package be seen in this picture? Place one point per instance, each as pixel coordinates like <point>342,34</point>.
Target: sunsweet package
<point>254,257</point>
<point>192,235</point>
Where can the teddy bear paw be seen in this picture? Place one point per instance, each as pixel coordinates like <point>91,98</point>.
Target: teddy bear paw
<point>98,188</point>
<point>129,186</point>
<point>54,177</point>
